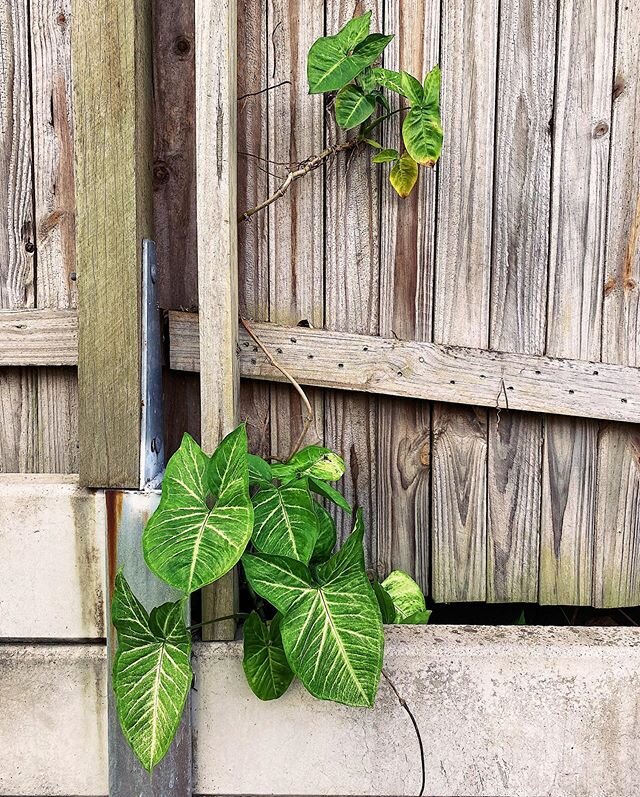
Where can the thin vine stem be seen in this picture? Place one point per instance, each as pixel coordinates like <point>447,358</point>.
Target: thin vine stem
<point>310,416</point>
<point>237,616</point>
<point>404,705</point>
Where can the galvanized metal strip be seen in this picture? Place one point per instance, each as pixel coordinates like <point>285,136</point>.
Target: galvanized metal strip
<point>127,514</point>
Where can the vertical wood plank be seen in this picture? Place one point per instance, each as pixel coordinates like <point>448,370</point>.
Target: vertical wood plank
<point>461,300</point>
<point>576,269</point>
<point>352,256</point>
<point>407,250</point>
<point>216,148</point>
<point>617,542</point>
<point>17,386</point>
<point>113,150</point>
<point>54,194</point>
<point>296,228</point>
<point>174,194</point>
<point>519,287</point>
<point>253,185</point>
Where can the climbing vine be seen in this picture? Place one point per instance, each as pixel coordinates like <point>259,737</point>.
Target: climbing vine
<point>317,615</point>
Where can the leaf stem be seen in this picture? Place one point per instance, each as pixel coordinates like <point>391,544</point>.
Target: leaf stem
<point>237,616</point>
<point>379,120</point>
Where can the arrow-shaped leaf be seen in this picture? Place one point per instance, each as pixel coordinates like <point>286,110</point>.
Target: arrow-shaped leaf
<point>285,523</point>
<point>331,628</point>
<point>204,520</point>
<point>353,107</point>
<point>406,595</point>
<point>151,672</point>
<point>264,662</point>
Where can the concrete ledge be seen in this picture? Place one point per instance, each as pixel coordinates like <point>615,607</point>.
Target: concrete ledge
<point>504,712</point>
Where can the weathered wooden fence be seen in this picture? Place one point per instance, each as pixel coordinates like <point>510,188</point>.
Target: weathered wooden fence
<point>524,241</point>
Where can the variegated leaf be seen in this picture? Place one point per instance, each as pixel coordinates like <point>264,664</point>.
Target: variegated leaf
<point>285,523</point>
<point>151,672</point>
<point>204,520</point>
<point>264,662</point>
<point>331,628</point>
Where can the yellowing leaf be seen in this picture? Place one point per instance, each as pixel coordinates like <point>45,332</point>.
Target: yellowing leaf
<point>404,174</point>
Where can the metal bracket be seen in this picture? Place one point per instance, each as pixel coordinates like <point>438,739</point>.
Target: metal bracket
<point>127,514</point>
<point>152,452</point>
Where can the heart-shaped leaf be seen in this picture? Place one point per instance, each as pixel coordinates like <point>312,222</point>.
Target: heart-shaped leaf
<point>404,175</point>
<point>334,61</point>
<point>327,534</point>
<point>353,107</point>
<point>285,523</point>
<point>422,134</point>
<point>151,672</point>
<point>259,470</point>
<point>331,628</point>
<point>319,463</point>
<point>386,156</point>
<point>264,662</point>
<point>327,491</point>
<point>406,595</point>
<point>205,518</point>
<point>411,88</point>
<point>389,79</point>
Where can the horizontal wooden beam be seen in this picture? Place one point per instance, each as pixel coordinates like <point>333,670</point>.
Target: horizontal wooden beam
<point>426,371</point>
<point>38,337</point>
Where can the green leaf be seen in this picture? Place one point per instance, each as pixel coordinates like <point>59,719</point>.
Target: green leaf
<point>372,143</point>
<point>331,63</point>
<point>406,595</point>
<point>327,534</point>
<point>259,470</point>
<point>151,672</point>
<point>327,491</point>
<point>380,99</point>
<point>404,175</point>
<point>386,156</point>
<point>264,661</point>
<point>331,628</point>
<point>353,107</point>
<point>389,79</point>
<point>317,462</point>
<point>194,538</point>
<point>432,89</point>
<point>522,620</point>
<point>422,134</point>
<point>411,88</point>
<point>417,618</point>
<point>372,47</point>
<point>387,609</point>
<point>366,80</point>
<point>285,523</point>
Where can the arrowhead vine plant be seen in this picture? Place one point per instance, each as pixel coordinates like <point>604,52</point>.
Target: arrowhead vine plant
<point>317,615</point>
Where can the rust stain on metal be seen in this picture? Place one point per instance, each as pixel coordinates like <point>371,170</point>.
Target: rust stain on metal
<point>113,500</point>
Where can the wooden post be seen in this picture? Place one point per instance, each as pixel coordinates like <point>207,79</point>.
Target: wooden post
<point>111,62</point>
<point>217,249</point>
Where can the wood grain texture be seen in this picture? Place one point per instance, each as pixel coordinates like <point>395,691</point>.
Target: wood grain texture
<point>174,193</point>
<point>407,251</point>
<point>54,194</point>
<point>372,364</point>
<point>352,270</point>
<point>38,337</point>
<point>216,148</point>
<point>522,187</point>
<point>253,185</point>
<point>576,270</point>
<point>113,150</point>
<point>296,224</point>
<point>616,580</point>
<point>461,298</point>
<point>17,290</point>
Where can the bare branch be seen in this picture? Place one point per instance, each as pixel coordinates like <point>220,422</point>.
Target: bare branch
<point>262,91</point>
